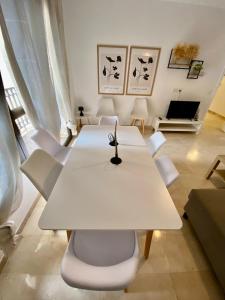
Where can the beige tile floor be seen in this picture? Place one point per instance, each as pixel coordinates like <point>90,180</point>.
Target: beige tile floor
<point>177,268</point>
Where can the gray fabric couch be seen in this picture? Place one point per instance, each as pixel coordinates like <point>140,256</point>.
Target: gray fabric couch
<point>205,210</point>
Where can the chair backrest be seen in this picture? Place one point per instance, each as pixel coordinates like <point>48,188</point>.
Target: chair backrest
<point>167,169</point>
<point>106,107</point>
<point>108,120</point>
<point>46,141</point>
<point>42,170</point>
<point>155,141</point>
<point>140,107</point>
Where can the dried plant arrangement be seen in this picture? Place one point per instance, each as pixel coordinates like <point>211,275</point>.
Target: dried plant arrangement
<point>182,55</point>
<point>186,51</point>
<point>192,51</point>
<point>180,51</point>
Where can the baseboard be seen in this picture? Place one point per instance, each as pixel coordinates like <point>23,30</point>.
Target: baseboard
<point>22,225</point>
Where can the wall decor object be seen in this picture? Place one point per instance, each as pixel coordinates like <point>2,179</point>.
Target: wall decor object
<point>143,64</point>
<point>182,55</point>
<point>195,68</point>
<point>112,62</point>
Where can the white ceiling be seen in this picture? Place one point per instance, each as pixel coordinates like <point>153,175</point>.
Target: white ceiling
<point>212,3</point>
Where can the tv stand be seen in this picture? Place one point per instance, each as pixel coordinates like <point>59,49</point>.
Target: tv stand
<point>164,124</point>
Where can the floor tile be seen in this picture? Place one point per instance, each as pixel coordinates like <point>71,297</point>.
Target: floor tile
<point>196,286</point>
<point>156,285</point>
<point>37,255</point>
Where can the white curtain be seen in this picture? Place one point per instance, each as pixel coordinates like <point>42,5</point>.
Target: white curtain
<point>53,18</point>
<point>10,175</point>
<point>24,35</point>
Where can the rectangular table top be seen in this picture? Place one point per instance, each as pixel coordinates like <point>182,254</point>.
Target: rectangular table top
<point>92,193</point>
<point>97,136</point>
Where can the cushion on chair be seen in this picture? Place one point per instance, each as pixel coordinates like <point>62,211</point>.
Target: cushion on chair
<point>103,248</point>
<point>77,273</point>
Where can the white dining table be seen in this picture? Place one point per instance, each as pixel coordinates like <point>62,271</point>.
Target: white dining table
<point>93,194</point>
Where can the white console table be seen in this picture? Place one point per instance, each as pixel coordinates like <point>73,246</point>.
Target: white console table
<point>163,124</point>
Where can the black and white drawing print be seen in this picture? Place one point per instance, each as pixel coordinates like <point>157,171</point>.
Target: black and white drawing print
<point>111,69</point>
<point>142,70</point>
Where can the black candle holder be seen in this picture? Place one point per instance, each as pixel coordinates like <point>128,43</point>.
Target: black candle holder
<point>116,160</point>
<point>81,108</point>
<point>112,141</point>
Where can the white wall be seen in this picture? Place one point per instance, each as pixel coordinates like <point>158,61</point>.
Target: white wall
<point>144,23</point>
<point>218,103</point>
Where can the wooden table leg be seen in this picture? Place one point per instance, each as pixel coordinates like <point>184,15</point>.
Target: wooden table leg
<point>143,126</point>
<point>148,243</point>
<point>68,233</point>
<point>212,168</point>
<point>133,122</point>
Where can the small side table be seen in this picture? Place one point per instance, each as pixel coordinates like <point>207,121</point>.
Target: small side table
<point>82,119</point>
<point>216,162</point>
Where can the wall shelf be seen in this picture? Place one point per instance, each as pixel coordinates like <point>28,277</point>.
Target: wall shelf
<point>163,124</point>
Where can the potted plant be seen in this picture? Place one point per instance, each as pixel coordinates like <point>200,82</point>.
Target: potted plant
<point>197,68</point>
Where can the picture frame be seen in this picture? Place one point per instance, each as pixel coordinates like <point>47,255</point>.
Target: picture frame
<point>111,66</point>
<point>195,69</point>
<point>182,64</point>
<point>143,65</point>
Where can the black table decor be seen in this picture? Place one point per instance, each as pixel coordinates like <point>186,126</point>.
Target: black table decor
<point>112,138</point>
<point>81,108</point>
<point>116,160</point>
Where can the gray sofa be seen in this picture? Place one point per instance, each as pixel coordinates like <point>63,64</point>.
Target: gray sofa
<point>205,210</point>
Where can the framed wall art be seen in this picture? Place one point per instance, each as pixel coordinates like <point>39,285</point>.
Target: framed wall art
<point>178,63</point>
<point>112,62</point>
<point>195,69</point>
<point>143,64</point>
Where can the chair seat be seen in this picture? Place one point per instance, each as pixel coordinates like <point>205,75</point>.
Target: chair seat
<point>166,169</point>
<point>138,117</point>
<point>100,260</point>
<point>63,155</point>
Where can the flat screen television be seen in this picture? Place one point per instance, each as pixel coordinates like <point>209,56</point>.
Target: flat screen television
<point>182,109</point>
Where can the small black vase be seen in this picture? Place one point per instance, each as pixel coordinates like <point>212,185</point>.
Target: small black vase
<point>81,108</point>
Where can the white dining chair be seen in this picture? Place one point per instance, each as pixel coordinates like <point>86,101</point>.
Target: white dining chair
<point>139,112</point>
<point>166,169</point>
<point>42,170</point>
<point>155,142</point>
<point>47,142</point>
<point>108,120</point>
<point>100,259</point>
<point>106,107</point>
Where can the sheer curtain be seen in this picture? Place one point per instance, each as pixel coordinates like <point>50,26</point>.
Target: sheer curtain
<point>53,18</point>
<point>10,175</point>
<point>24,36</point>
